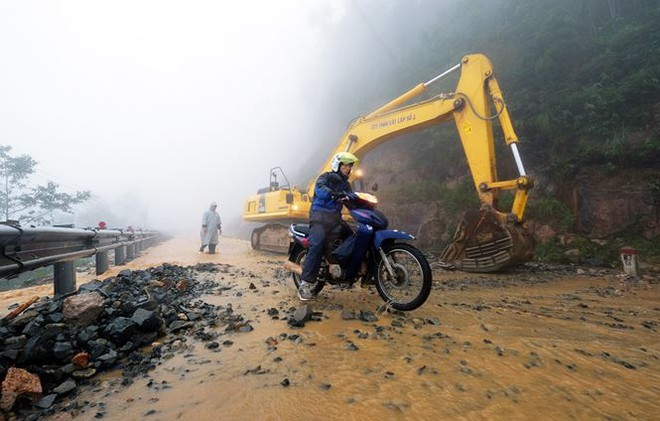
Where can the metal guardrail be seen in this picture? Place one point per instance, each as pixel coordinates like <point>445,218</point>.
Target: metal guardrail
<point>27,248</point>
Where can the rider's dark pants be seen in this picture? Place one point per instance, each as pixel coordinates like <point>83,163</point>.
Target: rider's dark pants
<point>363,236</point>
<point>322,225</point>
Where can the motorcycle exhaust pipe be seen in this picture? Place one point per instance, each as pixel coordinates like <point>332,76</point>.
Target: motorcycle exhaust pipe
<point>289,265</point>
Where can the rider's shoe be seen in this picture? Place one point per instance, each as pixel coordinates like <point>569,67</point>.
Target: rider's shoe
<point>305,291</point>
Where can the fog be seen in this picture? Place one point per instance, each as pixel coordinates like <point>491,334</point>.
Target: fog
<point>160,107</point>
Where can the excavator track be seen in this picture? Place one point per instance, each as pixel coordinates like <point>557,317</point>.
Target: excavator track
<point>271,237</point>
<point>486,242</point>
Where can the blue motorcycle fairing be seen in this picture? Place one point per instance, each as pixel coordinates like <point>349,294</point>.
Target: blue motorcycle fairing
<point>372,217</point>
<point>383,235</point>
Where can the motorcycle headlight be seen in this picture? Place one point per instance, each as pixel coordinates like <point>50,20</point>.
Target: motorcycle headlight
<point>368,197</point>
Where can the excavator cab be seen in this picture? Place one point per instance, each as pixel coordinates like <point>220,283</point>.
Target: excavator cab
<point>274,184</point>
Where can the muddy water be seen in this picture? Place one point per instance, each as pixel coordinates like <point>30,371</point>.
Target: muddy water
<point>513,346</point>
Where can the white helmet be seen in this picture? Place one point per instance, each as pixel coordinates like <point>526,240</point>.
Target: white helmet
<point>345,158</point>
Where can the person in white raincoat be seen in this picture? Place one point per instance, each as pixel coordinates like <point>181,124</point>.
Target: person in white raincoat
<point>211,228</point>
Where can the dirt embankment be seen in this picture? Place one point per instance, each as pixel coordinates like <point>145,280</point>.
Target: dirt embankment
<point>554,341</point>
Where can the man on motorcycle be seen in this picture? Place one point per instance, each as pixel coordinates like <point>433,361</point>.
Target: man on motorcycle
<point>331,190</point>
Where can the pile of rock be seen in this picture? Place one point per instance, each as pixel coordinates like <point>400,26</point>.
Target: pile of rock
<point>46,351</point>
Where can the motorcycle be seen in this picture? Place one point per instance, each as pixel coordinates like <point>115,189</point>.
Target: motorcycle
<point>400,271</point>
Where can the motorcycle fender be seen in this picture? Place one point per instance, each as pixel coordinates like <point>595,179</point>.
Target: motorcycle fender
<point>293,246</point>
<point>384,235</point>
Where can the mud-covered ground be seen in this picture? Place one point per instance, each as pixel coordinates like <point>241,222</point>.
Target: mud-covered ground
<point>538,342</point>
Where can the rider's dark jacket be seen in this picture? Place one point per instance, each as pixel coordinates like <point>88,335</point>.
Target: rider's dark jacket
<point>329,186</point>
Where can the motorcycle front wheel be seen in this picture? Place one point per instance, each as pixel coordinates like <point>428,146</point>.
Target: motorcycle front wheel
<point>298,257</point>
<point>409,284</point>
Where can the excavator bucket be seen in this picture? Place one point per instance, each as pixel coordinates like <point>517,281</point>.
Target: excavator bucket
<point>486,242</point>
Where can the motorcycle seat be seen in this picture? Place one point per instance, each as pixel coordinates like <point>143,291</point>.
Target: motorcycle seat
<point>301,229</point>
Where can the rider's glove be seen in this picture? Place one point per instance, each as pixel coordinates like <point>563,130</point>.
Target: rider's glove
<point>338,197</point>
<point>348,197</point>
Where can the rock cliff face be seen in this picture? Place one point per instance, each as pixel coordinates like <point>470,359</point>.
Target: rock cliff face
<point>602,203</point>
<point>598,214</point>
<point>604,206</point>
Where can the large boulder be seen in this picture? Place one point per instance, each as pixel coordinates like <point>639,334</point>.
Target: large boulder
<point>146,320</point>
<point>19,383</point>
<point>120,329</point>
<point>82,309</point>
<point>39,347</point>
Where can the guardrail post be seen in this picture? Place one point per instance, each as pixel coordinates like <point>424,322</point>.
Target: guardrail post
<point>101,262</point>
<point>120,255</point>
<point>64,277</point>
<point>130,251</point>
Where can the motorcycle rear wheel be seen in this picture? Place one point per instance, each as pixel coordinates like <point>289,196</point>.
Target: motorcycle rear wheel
<point>298,257</point>
<point>411,284</point>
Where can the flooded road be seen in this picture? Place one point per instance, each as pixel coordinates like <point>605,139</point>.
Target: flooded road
<point>544,343</point>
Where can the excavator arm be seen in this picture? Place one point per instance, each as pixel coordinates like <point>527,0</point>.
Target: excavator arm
<point>488,239</point>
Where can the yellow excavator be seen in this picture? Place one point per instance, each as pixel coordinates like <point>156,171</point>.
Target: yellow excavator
<point>277,205</point>
<point>487,239</point>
